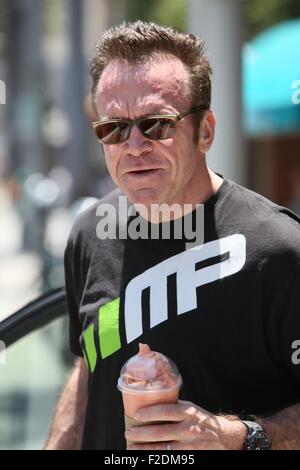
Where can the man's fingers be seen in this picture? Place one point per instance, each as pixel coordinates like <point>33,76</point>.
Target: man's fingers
<point>154,433</point>
<point>163,412</point>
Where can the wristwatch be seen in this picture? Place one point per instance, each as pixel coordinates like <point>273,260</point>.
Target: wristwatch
<point>257,438</point>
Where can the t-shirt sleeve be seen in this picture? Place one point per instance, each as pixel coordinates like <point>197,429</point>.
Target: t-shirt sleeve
<point>75,327</point>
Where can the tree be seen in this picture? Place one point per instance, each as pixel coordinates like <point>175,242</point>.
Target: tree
<point>3,14</point>
<point>167,12</point>
<point>261,14</point>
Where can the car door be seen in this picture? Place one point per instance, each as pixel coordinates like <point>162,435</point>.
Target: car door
<point>34,364</point>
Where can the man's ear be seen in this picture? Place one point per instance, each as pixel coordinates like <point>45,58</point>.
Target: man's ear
<point>207,131</point>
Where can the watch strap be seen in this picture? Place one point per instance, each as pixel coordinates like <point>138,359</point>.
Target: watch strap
<point>257,438</point>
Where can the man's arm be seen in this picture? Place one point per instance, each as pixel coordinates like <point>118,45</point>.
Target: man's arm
<point>191,427</point>
<point>67,427</point>
<point>284,428</point>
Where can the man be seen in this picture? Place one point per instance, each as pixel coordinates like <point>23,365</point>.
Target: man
<point>226,310</point>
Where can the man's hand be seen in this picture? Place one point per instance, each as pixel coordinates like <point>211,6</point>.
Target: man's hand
<point>187,427</point>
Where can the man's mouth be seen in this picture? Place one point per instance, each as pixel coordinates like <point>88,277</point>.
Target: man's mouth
<point>141,173</point>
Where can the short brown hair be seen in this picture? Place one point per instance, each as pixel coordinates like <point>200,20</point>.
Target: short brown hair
<point>136,42</point>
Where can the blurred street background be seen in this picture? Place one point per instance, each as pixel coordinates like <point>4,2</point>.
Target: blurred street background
<point>51,166</point>
<point>49,159</point>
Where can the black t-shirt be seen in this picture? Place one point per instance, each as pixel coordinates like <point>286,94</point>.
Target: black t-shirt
<point>226,311</point>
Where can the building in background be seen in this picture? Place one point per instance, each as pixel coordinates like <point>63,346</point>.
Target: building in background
<point>271,97</point>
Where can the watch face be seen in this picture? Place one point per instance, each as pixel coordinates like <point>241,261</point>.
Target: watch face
<point>259,440</point>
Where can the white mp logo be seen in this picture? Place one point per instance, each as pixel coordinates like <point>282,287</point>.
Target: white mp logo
<point>2,92</point>
<point>2,353</point>
<point>296,94</point>
<point>188,279</point>
<point>296,354</point>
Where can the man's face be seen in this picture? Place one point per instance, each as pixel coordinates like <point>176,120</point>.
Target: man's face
<point>148,171</point>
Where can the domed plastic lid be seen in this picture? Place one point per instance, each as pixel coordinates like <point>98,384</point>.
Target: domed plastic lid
<point>148,371</point>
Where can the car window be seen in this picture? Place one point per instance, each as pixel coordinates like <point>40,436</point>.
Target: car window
<point>33,372</point>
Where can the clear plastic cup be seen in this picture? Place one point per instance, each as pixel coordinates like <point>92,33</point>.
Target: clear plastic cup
<point>148,378</point>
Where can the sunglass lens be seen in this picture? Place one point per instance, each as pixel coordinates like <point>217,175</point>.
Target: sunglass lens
<point>158,129</point>
<point>112,132</point>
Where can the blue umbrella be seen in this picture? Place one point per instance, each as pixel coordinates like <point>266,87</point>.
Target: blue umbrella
<point>271,78</point>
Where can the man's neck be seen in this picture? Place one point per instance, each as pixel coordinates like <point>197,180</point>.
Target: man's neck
<point>157,213</point>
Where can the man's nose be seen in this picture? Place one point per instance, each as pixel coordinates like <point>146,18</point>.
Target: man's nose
<point>137,143</point>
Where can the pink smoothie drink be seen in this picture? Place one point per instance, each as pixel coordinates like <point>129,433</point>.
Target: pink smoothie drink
<point>149,378</point>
